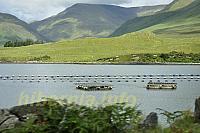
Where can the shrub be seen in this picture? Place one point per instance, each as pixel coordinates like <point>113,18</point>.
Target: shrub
<point>74,118</point>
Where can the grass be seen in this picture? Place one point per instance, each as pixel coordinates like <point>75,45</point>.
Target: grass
<point>92,49</point>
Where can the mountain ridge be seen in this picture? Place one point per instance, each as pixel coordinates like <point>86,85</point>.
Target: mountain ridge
<point>87,20</point>
<point>165,22</point>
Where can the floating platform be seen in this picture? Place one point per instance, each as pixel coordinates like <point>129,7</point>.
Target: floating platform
<point>94,87</point>
<point>159,85</point>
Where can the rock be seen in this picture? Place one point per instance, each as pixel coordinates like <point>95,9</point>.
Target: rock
<point>3,113</point>
<point>197,110</point>
<point>7,120</point>
<point>151,120</point>
<point>10,118</point>
<point>33,108</point>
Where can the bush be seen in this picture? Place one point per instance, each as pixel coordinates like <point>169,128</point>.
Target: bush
<point>118,118</point>
<point>42,58</point>
<point>72,118</point>
<point>18,43</point>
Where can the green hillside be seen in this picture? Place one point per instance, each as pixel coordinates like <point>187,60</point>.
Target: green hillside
<point>184,21</point>
<point>88,20</point>
<point>177,4</point>
<point>11,28</point>
<point>155,34</point>
<point>150,10</point>
<point>90,50</point>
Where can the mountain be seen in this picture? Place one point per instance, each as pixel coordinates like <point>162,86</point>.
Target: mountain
<point>88,20</point>
<point>12,28</point>
<point>183,21</point>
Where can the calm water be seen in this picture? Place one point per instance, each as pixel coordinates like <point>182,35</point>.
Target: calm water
<point>17,92</point>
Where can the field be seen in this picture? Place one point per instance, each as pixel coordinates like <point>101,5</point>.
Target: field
<point>92,49</point>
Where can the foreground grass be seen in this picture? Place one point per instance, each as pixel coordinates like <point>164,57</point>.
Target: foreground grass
<point>92,49</point>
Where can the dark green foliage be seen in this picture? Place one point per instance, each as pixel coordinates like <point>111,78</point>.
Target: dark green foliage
<point>41,58</point>
<point>184,123</point>
<point>178,57</point>
<point>114,118</point>
<point>72,118</point>
<point>164,56</point>
<point>45,120</point>
<point>171,117</point>
<point>22,43</point>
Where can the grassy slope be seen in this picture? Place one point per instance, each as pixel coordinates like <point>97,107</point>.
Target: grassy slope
<point>184,21</point>
<point>88,50</point>
<point>11,28</point>
<point>188,25</point>
<point>177,4</point>
<point>150,10</point>
<point>10,31</point>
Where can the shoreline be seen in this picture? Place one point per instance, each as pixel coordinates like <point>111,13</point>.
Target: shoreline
<point>103,63</point>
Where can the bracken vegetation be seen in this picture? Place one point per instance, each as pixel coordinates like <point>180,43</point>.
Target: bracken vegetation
<point>118,118</point>
<point>72,118</point>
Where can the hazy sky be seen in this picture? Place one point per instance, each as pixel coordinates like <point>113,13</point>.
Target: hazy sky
<point>30,10</point>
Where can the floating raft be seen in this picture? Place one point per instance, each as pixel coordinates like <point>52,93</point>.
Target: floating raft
<point>159,85</point>
<point>94,87</point>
